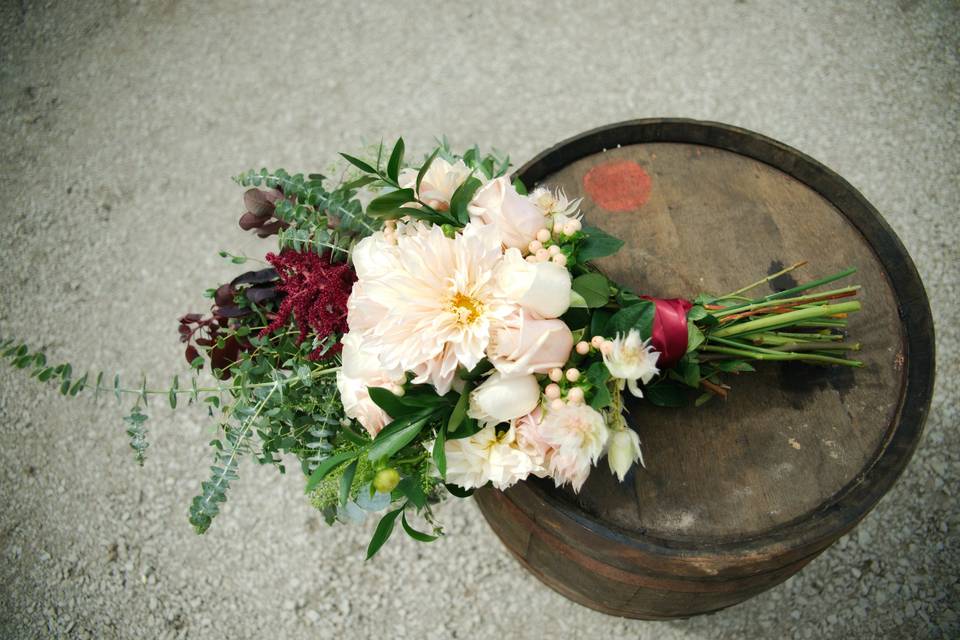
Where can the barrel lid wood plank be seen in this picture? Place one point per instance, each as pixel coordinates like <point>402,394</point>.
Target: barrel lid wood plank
<point>737,495</point>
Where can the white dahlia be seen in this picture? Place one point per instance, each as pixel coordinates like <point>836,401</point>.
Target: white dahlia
<point>426,304</point>
<point>487,457</point>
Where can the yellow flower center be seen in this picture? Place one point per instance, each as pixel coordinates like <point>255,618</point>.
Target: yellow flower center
<point>466,309</point>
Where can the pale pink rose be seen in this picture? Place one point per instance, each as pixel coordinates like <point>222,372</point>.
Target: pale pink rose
<point>439,183</point>
<point>515,216</point>
<point>543,288</point>
<point>502,398</point>
<point>525,344</point>
<point>362,369</point>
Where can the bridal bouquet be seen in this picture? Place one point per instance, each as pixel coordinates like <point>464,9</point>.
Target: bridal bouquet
<point>431,329</point>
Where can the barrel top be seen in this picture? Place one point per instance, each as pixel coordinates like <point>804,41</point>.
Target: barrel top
<point>710,208</point>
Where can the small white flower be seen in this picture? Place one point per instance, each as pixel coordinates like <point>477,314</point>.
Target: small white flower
<point>577,435</point>
<point>556,206</point>
<point>632,359</point>
<point>623,449</point>
<point>487,457</point>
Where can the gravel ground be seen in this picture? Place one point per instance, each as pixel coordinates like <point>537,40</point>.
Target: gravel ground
<point>121,123</point>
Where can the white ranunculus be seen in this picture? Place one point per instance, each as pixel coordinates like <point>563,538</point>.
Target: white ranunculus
<point>632,359</point>
<point>623,449</point>
<point>525,344</point>
<point>542,288</point>
<point>487,457</point>
<point>502,398</point>
<point>439,183</point>
<point>577,434</point>
<point>516,217</point>
<point>361,369</point>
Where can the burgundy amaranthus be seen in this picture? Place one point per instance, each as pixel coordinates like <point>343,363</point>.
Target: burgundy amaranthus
<point>316,293</point>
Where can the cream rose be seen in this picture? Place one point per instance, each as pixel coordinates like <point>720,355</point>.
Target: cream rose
<point>543,288</point>
<point>525,344</point>
<point>502,398</point>
<point>515,216</point>
<point>439,183</point>
<point>362,369</point>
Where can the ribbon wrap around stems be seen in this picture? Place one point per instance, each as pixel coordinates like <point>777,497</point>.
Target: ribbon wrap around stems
<point>669,335</point>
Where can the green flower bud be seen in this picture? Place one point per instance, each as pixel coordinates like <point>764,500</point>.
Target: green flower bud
<point>386,480</point>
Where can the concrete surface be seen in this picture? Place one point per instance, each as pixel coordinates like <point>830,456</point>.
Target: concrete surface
<point>121,123</point>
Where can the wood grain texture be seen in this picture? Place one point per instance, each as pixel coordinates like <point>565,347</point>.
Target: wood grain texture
<point>738,495</point>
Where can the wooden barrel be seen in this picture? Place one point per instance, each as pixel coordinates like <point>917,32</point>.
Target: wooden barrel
<point>737,496</point>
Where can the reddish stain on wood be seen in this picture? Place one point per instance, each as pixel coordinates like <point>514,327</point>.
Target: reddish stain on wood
<point>621,185</point>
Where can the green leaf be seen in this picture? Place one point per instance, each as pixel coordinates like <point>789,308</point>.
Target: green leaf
<point>638,316</point>
<point>696,312</point>
<point>597,375</point>
<point>458,491</point>
<point>359,164</point>
<point>384,447</point>
<point>462,197</point>
<point>440,452</point>
<point>666,394</point>
<point>733,366</point>
<point>390,202</point>
<point>695,337</point>
<point>362,181</point>
<point>384,529</point>
<point>594,288</point>
<point>599,321</point>
<point>346,481</point>
<point>396,160</point>
<point>413,533</point>
<point>411,487</point>
<point>597,244</point>
<point>519,186</point>
<point>577,301</point>
<point>390,402</point>
<point>459,411</point>
<point>688,370</point>
<point>327,466</point>
<point>426,167</point>
<point>172,394</point>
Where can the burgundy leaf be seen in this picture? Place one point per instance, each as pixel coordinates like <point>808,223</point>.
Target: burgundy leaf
<point>261,294</point>
<point>249,221</point>
<point>271,228</point>
<point>255,277</point>
<point>191,353</point>
<point>224,295</point>
<point>231,311</point>
<point>258,204</point>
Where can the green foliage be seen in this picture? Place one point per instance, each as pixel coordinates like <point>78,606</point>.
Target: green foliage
<point>137,433</point>
<point>594,288</point>
<point>597,244</point>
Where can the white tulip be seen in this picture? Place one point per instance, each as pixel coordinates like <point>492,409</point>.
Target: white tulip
<point>542,288</point>
<point>623,449</point>
<point>502,398</point>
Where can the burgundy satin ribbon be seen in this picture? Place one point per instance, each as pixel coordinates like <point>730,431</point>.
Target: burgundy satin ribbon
<point>669,335</point>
